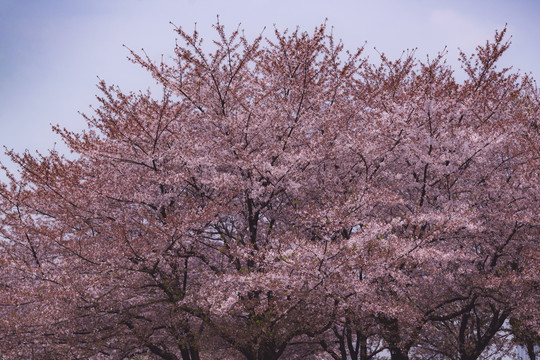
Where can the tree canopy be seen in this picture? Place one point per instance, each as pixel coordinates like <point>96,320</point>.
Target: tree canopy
<point>283,198</point>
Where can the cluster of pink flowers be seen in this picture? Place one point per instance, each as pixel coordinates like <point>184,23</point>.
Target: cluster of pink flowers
<point>284,199</point>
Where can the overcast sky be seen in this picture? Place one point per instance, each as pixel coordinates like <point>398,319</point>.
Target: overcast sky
<point>52,51</point>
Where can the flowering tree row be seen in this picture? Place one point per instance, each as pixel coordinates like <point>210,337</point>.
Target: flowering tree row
<point>282,199</point>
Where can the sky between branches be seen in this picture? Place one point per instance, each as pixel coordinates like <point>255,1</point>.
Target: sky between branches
<point>51,52</point>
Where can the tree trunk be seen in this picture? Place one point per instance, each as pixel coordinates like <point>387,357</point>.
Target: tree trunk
<point>530,350</point>
<point>363,348</point>
<point>189,353</point>
<point>397,354</point>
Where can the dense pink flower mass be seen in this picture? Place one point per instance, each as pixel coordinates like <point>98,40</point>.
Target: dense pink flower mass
<point>282,199</point>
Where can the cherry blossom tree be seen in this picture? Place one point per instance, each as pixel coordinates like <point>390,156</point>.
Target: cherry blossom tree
<point>283,198</point>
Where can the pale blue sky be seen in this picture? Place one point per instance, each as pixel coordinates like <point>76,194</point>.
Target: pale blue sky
<point>51,51</point>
